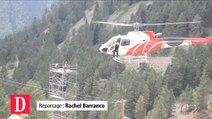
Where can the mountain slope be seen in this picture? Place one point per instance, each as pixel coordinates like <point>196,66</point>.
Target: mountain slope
<point>15,15</point>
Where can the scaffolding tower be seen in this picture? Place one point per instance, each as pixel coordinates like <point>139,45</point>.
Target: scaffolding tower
<point>62,86</point>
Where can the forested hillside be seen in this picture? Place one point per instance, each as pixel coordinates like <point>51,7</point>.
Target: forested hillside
<point>15,15</point>
<point>148,94</point>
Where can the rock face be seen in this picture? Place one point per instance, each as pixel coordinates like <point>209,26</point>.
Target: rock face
<point>160,64</point>
<point>177,113</point>
<point>198,115</point>
<point>80,23</point>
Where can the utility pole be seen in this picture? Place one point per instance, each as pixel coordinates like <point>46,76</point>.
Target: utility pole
<point>122,109</point>
<point>122,102</point>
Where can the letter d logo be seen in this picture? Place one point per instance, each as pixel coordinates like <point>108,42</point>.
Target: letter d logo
<point>19,104</point>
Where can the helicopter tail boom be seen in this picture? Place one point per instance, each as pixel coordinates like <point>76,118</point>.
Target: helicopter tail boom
<point>167,42</point>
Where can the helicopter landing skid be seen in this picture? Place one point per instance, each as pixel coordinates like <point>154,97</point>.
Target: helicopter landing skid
<point>131,59</point>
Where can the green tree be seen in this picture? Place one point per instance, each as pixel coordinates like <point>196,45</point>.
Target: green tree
<point>62,12</point>
<point>96,35</point>
<point>208,68</point>
<point>140,110</point>
<point>159,110</point>
<point>130,105</point>
<point>182,30</point>
<point>146,95</point>
<point>202,91</point>
<point>36,93</point>
<point>207,15</point>
<point>163,105</point>
<point>35,26</point>
<point>4,72</point>
<point>186,96</point>
<point>4,103</point>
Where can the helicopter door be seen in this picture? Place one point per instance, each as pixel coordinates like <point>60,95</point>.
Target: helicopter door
<point>124,46</point>
<point>112,46</point>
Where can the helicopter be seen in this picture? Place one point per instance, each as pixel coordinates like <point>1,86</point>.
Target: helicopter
<point>134,46</point>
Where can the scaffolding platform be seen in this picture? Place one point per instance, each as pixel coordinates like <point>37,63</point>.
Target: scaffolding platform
<point>62,70</point>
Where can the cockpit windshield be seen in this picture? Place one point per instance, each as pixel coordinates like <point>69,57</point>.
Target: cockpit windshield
<point>111,42</point>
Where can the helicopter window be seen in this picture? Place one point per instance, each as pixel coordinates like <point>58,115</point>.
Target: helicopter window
<point>112,47</point>
<point>111,42</point>
<point>125,42</point>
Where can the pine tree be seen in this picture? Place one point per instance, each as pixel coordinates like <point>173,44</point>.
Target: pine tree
<point>159,110</point>
<point>130,105</point>
<point>35,26</point>
<point>195,29</point>
<point>202,91</point>
<point>62,12</point>
<point>186,96</point>
<point>208,68</point>
<point>182,30</point>
<point>140,109</point>
<point>207,15</point>
<point>36,93</point>
<point>96,35</point>
<point>4,105</point>
<point>146,95</point>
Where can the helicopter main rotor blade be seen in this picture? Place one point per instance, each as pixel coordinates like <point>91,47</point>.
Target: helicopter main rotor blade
<point>170,23</point>
<point>137,25</point>
<point>112,23</point>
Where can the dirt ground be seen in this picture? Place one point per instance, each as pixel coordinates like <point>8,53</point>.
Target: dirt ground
<point>177,114</point>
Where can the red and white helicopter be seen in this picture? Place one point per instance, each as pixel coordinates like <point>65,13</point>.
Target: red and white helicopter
<point>134,46</point>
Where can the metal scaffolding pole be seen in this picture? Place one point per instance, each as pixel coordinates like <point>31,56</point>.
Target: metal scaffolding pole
<point>62,86</point>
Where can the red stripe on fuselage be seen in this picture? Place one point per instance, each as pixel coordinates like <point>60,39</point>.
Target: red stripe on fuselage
<point>156,46</point>
<point>153,44</point>
<point>195,41</point>
<point>130,51</point>
<point>157,43</point>
<point>139,50</point>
